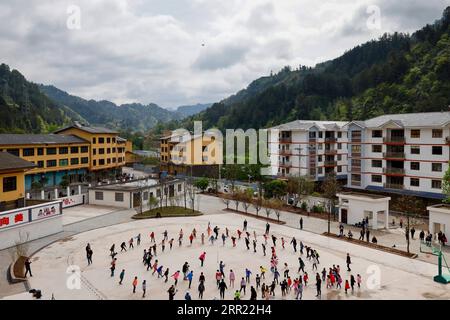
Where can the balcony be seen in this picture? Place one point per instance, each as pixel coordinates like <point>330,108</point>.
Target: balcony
<point>355,154</point>
<point>394,140</point>
<point>395,171</point>
<point>330,163</point>
<point>331,151</point>
<point>394,155</point>
<point>285,152</point>
<point>393,186</point>
<point>286,164</point>
<point>356,183</point>
<point>285,139</point>
<point>355,140</point>
<point>330,140</point>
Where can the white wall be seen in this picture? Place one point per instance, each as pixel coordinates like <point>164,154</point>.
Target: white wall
<point>442,218</point>
<point>109,198</point>
<point>35,230</point>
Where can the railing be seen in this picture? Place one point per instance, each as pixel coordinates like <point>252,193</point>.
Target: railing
<point>391,170</point>
<point>286,164</point>
<point>355,140</point>
<point>394,155</point>
<point>330,163</point>
<point>330,140</point>
<point>394,139</point>
<point>355,183</point>
<point>356,155</point>
<point>330,151</point>
<point>285,152</point>
<point>286,140</point>
<point>393,186</point>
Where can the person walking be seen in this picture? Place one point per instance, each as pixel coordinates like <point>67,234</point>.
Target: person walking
<point>254,245</point>
<point>131,244</point>
<point>267,228</point>
<point>112,249</point>
<point>294,244</point>
<point>135,283</point>
<point>166,275</point>
<point>28,267</point>
<point>347,286</point>
<point>123,247</point>
<point>138,239</point>
<point>301,265</point>
<point>202,258</point>
<point>349,261</point>
<point>264,248</point>
<point>172,291</point>
<point>201,289</point>
<point>232,278</point>
<point>144,288</point>
<point>121,276</point>
<point>253,293</point>
<point>243,285</point>
<point>258,281</point>
<point>301,223</point>
<point>113,266</point>
<point>175,277</point>
<point>189,277</point>
<point>245,225</point>
<point>318,286</point>
<point>247,275</point>
<point>352,282</point>
<point>358,280</point>
<point>222,288</point>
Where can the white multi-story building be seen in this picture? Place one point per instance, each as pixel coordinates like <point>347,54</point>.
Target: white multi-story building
<point>403,153</point>
<point>308,148</point>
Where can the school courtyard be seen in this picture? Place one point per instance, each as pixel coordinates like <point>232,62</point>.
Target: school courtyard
<point>384,275</point>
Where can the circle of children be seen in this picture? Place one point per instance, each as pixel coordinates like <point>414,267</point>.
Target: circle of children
<point>289,285</point>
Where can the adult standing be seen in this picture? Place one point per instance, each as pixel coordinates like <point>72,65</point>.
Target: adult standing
<point>28,267</point>
<point>349,261</point>
<point>222,288</point>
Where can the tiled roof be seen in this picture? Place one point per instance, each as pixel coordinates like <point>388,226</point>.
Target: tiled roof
<point>425,119</point>
<point>307,124</point>
<point>88,129</point>
<point>9,161</point>
<point>28,139</point>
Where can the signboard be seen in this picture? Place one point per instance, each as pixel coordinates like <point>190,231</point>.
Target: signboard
<point>72,201</point>
<point>13,218</point>
<point>45,211</point>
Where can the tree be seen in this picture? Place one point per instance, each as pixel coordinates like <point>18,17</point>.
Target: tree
<point>202,184</point>
<point>246,198</point>
<point>411,207</point>
<point>446,185</point>
<point>236,197</point>
<point>64,182</point>
<point>277,205</point>
<point>330,188</point>
<point>152,202</point>
<point>226,200</point>
<point>257,204</point>
<point>275,189</point>
<point>267,206</point>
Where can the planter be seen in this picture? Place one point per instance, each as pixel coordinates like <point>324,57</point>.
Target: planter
<point>260,217</point>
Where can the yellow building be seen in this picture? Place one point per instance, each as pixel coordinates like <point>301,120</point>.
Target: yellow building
<point>179,154</point>
<point>12,180</point>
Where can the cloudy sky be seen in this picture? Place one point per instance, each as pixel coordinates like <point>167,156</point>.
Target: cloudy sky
<point>175,52</point>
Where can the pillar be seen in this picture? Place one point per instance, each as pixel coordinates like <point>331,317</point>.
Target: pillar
<point>79,189</point>
<point>56,193</point>
<point>68,191</point>
<point>42,194</point>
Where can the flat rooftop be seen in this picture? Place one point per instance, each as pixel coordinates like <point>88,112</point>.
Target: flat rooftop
<point>363,195</point>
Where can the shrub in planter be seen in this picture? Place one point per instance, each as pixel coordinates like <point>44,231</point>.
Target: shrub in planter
<point>304,206</point>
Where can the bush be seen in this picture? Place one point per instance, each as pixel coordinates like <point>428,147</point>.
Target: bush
<point>304,206</point>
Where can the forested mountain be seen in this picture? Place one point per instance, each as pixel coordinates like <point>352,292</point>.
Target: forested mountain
<point>127,117</point>
<point>396,73</point>
<point>23,108</point>
<point>186,111</point>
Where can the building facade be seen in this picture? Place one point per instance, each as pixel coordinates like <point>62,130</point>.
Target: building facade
<point>308,148</point>
<point>74,153</point>
<point>402,153</point>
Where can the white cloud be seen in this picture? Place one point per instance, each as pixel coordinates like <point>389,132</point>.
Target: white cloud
<point>151,51</point>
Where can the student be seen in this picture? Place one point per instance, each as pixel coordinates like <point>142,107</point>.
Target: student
<point>358,280</point>
<point>232,278</point>
<point>245,225</point>
<point>203,238</point>
<point>352,282</point>
<point>301,265</point>
<point>191,238</point>
<point>172,291</point>
<point>247,243</point>
<point>253,293</point>
<point>282,242</point>
<point>113,266</point>
<point>318,285</point>
<point>223,239</point>
<point>89,254</point>
<point>202,258</point>
<point>187,296</point>
<point>243,285</point>
<point>121,276</point>
<point>170,243</point>
<point>264,248</point>
<point>263,272</point>
<point>237,295</point>
<point>130,244</point>
<point>258,281</point>
<point>222,288</point>
<point>301,223</point>
<point>189,277</point>
<point>247,275</point>
<point>138,239</point>
<point>112,249</point>
<point>233,240</point>
<point>175,276</point>
<point>159,272</point>
<point>185,269</point>
<point>294,244</point>
<point>144,288</point>
<point>201,289</point>
<point>123,247</point>
<point>267,228</point>
<point>254,245</point>
<point>299,291</point>
<point>135,283</point>
<point>349,261</point>
<point>166,275</point>
<point>221,268</point>
<point>347,286</point>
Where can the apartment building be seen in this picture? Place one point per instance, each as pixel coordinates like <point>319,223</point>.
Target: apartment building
<point>403,153</point>
<point>308,148</point>
<point>185,154</point>
<point>72,152</point>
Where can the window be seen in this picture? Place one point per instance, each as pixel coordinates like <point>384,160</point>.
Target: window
<point>74,161</point>
<point>179,187</point>
<point>94,151</point>
<point>114,140</point>
<point>94,162</point>
<point>319,158</point>
<point>15,152</point>
<point>377,163</point>
<point>320,171</point>
<point>51,163</point>
<point>101,140</point>
<point>377,178</point>
<point>113,160</point>
<point>437,150</point>
<point>377,133</point>
<point>119,197</point>
<point>108,150</point>
<point>74,149</point>
<point>9,184</point>
<point>320,134</point>
<point>319,147</point>
<point>415,150</point>
<point>84,149</point>
<point>108,140</point>
<point>436,133</point>
<point>356,148</point>
<point>356,163</point>
<point>98,195</point>
<point>339,146</point>
<point>63,162</point>
<point>436,167</point>
<point>414,182</point>
<point>339,168</point>
<point>114,150</point>
<point>415,133</point>
<point>436,184</point>
<point>101,162</point>
<point>40,164</point>
<point>51,151</point>
<point>339,134</point>
<point>40,151</point>
<point>63,150</point>
<point>339,157</point>
<point>415,165</point>
<point>28,152</point>
<point>85,160</point>
<point>356,179</point>
<point>94,140</point>
<point>108,161</point>
<point>101,151</point>
<point>376,148</point>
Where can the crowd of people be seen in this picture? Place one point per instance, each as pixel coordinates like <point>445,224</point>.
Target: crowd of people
<point>282,280</point>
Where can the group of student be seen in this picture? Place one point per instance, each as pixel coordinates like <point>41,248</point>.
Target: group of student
<point>287,285</point>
